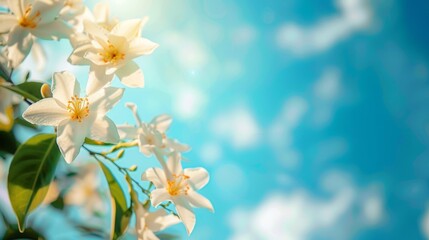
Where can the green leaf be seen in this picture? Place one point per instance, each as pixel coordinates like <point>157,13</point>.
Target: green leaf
<point>29,90</point>
<point>121,213</point>
<point>8,142</point>
<point>30,174</point>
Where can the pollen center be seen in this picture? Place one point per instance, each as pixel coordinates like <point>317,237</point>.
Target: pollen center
<point>29,20</point>
<point>78,108</point>
<point>178,185</point>
<point>112,55</point>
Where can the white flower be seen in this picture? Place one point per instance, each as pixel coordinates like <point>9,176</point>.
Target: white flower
<point>179,186</point>
<point>30,19</point>
<point>76,117</point>
<point>110,53</point>
<point>147,223</point>
<point>85,192</point>
<point>151,136</point>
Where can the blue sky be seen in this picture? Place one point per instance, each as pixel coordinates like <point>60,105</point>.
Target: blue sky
<point>310,117</point>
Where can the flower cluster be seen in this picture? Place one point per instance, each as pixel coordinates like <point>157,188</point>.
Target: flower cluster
<point>108,46</point>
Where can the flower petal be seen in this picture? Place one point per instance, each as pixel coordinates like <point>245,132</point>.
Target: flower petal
<point>156,176</point>
<point>94,29</point>
<point>198,177</point>
<point>71,136</point>
<point>185,213</point>
<point>52,30</point>
<point>174,164</point>
<point>101,12</point>
<point>104,99</point>
<point>45,112</point>
<point>104,130</point>
<point>133,108</point>
<point>198,200</point>
<point>140,46</point>
<point>97,79</point>
<point>19,45</point>
<point>160,220</point>
<point>64,86</point>
<point>177,146</point>
<point>17,7</point>
<point>127,132</point>
<point>162,122</point>
<point>7,22</point>
<point>131,75</point>
<point>48,10</point>
<point>158,196</point>
<point>129,28</point>
<point>77,56</point>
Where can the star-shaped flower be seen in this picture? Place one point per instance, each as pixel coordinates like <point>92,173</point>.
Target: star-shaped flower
<point>151,136</point>
<point>74,116</point>
<point>180,187</point>
<point>31,19</point>
<point>110,53</point>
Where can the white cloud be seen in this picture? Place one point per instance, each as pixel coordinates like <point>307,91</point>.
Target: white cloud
<point>354,15</point>
<point>188,102</point>
<point>210,153</point>
<point>425,223</point>
<point>299,215</point>
<point>280,132</point>
<point>331,149</point>
<point>326,92</point>
<point>238,127</point>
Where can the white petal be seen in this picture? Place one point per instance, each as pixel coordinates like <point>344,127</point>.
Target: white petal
<point>148,235</point>
<point>162,122</point>
<point>186,214</point>
<point>94,29</point>
<point>129,28</point>
<point>141,46</point>
<point>198,177</point>
<point>131,75</point>
<point>127,132</point>
<point>45,112</point>
<point>19,45</point>
<point>177,146</point>
<point>104,99</point>
<point>156,176</point>
<point>158,196</point>
<point>77,56</point>
<point>104,130</point>
<point>160,220</point>
<point>52,30</point>
<point>48,10</point>
<point>7,22</point>
<point>17,7</point>
<point>78,39</point>
<point>97,79</point>
<point>101,12</point>
<point>64,86</point>
<point>133,108</point>
<point>199,201</point>
<point>174,164</point>
<point>71,135</point>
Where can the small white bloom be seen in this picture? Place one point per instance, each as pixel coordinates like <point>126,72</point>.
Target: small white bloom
<point>151,136</point>
<point>31,19</point>
<point>180,187</point>
<point>76,117</point>
<point>110,53</point>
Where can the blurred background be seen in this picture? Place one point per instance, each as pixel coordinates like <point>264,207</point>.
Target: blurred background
<point>312,117</point>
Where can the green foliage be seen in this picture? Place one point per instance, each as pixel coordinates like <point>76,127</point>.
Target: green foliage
<point>29,90</point>
<point>8,142</point>
<point>30,174</point>
<point>121,212</point>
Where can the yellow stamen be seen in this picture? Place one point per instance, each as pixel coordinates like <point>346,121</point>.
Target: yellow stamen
<point>78,108</point>
<point>29,21</point>
<point>112,55</point>
<point>178,185</point>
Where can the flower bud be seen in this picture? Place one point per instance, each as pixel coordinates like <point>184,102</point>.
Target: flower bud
<point>133,168</point>
<point>120,154</point>
<point>45,90</point>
